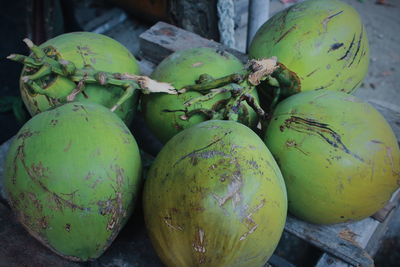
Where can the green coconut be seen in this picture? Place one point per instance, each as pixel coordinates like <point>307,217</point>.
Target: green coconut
<point>323,41</point>
<point>214,196</point>
<point>163,113</point>
<point>72,175</point>
<point>338,155</point>
<point>84,49</point>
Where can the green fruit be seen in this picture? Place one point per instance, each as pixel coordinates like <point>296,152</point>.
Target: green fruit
<point>338,155</point>
<point>323,41</point>
<point>72,175</point>
<point>84,49</point>
<point>214,196</point>
<point>162,112</point>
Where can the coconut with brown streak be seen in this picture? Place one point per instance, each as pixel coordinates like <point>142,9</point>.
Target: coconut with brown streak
<point>339,157</point>
<point>324,42</point>
<point>214,196</point>
<point>72,175</point>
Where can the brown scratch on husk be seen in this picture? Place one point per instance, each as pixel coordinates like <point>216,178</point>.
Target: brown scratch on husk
<point>312,72</point>
<point>233,190</point>
<point>199,245</point>
<point>310,126</point>
<point>197,64</point>
<point>286,33</point>
<point>251,224</point>
<point>358,47</point>
<point>196,151</point>
<point>68,146</point>
<point>33,175</point>
<point>168,222</point>
<point>244,236</point>
<point>348,50</point>
<point>292,143</point>
<point>327,19</point>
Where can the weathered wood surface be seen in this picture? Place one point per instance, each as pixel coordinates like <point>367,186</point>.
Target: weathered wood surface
<point>162,39</point>
<point>376,239</point>
<point>338,240</point>
<point>386,211</point>
<point>367,234</point>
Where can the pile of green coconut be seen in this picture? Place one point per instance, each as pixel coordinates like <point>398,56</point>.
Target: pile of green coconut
<point>243,144</point>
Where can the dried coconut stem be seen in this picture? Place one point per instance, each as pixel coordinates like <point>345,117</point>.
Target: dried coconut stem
<point>238,84</point>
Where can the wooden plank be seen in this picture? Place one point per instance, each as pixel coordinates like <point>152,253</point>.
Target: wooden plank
<point>163,39</point>
<point>385,212</point>
<point>360,232</point>
<point>328,240</point>
<point>377,237</point>
<point>368,233</point>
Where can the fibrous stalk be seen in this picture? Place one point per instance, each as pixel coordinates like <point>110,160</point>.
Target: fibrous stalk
<point>41,64</point>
